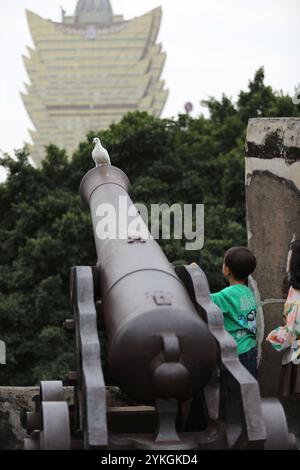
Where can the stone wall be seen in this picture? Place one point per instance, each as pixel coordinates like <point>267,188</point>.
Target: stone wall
<point>15,401</point>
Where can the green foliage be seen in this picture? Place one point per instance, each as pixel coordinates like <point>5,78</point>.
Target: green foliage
<point>44,229</point>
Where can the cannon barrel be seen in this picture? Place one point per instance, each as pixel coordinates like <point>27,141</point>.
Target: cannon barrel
<point>158,346</point>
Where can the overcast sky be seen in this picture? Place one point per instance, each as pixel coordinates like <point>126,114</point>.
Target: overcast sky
<point>212,46</point>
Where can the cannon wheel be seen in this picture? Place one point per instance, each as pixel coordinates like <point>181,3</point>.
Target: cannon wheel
<point>278,437</point>
<point>49,426</point>
<point>51,391</point>
<point>56,426</point>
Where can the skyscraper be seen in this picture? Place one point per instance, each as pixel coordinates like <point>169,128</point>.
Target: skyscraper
<point>88,71</point>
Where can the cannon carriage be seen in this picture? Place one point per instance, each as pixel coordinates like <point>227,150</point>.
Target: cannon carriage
<point>167,349</point>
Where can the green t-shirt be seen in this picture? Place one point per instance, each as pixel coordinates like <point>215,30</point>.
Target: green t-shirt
<point>238,305</point>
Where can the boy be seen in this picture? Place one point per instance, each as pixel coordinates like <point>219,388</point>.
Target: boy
<point>238,304</point>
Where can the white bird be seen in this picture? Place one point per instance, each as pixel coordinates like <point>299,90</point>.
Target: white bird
<point>100,154</point>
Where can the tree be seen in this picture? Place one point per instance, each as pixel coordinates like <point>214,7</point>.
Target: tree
<point>44,229</point>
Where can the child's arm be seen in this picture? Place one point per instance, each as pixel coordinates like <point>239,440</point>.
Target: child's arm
<point>220,300</point>
<point>282,337</point>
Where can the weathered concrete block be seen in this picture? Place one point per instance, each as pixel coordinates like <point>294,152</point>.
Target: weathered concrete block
<point>272,173</point>
<point>273,138</point>
<point>13,401</point>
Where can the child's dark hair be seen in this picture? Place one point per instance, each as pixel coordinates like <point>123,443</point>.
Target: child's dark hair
<point>241,262</point>
<point>294,268</point>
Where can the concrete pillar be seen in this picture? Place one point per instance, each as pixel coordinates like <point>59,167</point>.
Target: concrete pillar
<point>272,173</point>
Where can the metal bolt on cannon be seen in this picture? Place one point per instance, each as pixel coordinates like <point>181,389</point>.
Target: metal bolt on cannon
<point>167,349</point>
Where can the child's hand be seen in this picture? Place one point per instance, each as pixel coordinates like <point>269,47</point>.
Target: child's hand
<point>280,338</point>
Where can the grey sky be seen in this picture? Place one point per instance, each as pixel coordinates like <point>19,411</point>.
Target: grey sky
<point>212,46</point>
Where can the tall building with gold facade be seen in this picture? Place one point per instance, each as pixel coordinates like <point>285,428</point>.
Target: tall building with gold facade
<point>88,71</point>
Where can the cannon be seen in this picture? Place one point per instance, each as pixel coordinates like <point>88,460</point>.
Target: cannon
<point>167,350</point>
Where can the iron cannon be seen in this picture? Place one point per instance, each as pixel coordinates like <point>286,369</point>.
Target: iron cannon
<point>167,350</point>
<point>147,312</point>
